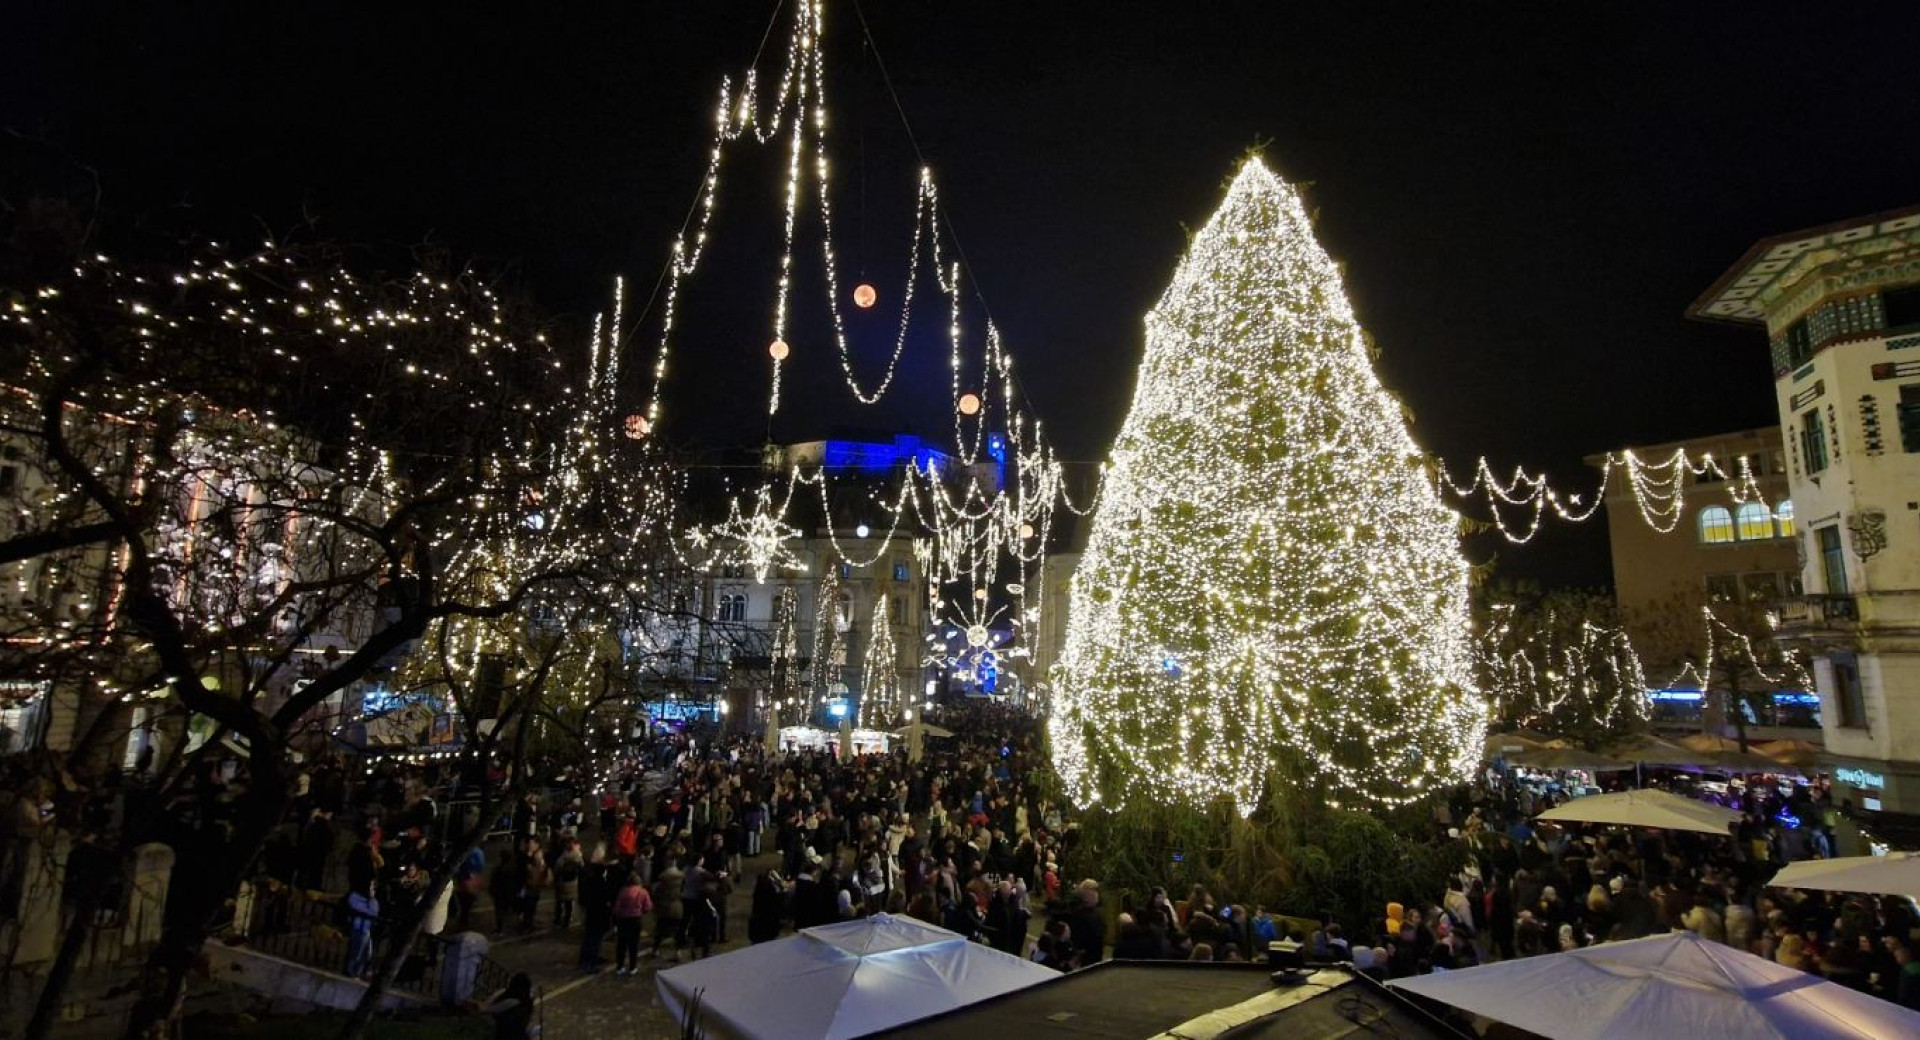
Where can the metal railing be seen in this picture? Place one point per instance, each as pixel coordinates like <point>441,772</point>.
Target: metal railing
<point>316,932</point>
<point>1820,610</point>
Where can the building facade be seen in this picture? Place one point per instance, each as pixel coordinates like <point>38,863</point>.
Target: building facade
<point>874,574</point>
<point>1841,308</point>
<point>1731,548</point>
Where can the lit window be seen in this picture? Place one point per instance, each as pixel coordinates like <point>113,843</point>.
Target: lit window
<point>1783,518</point>
<point>1716,525</point>
<point>899,571</point>
<point>1756,521</point>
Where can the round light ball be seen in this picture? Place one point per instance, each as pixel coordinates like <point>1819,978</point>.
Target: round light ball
<point>864,296</point>
<point>862,531</point>
<point>978,636</point>
<point>637,426</point>
<point>1026,530</point>
<point>969,403</point>
<point>778,350</point>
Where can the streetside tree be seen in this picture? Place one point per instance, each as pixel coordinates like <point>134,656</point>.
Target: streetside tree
<point>248,482</point>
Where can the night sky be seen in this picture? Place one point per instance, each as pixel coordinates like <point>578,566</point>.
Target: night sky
<point>1526,196</point>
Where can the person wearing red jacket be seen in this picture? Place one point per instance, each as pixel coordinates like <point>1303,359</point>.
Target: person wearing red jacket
<point>626,842</point>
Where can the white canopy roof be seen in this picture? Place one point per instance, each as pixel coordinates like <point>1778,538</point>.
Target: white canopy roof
<point>843,980</point>
<point>1894,874</point>
<point>1661,988</point>
<point>1645,809</point>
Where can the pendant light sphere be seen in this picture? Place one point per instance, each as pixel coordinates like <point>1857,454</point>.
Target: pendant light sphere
<point>864,296</point>
<point>779,350</point>
<point>969,403</point>
<point>637,426</point>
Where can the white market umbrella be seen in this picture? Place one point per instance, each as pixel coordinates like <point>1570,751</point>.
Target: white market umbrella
<point>1894,874</point>
<point>1568,758</point>
<point>1650,750</point>
<point>1645,808</point>
<point>1502,744</point>
<point>1661,988</point>
<point>843,980</point>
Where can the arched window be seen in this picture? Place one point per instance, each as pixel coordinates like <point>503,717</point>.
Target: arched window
<point>1756,521</point>
<point>733,606</point>
<point>1716,525</point>
<point>1783,517</point>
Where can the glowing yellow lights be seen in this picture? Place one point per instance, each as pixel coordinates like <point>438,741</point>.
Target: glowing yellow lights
<point>778,350</point>
<point>1226,633</point>
<point>880,676</point>
<point>969,403</point>
<point>636,426</point>
<point>864,296</point>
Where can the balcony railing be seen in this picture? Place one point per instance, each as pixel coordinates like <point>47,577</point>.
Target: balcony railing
<point>1820,610</point>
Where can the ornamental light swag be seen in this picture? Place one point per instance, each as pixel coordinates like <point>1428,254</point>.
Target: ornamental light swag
<point>1272,589</point>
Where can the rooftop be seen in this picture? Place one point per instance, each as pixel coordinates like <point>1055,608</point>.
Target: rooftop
<point>1138,1000</point>
<point>1777,264</point>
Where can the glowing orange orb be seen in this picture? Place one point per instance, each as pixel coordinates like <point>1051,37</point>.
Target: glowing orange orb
<point>969,404</point>
<point>779,349</point>
<point>864,296</point>
<point>637,426</point>
<point>1026,530</point>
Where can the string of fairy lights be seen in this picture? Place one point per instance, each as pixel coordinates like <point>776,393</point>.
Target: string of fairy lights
<point>1597,678</point>
<point>986,535</point>
<point>1658,489</point>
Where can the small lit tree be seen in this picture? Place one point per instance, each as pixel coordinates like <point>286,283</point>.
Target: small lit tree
<point>880,674</point>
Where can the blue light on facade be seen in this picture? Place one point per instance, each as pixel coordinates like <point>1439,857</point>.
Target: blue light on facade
<point>879,458</point>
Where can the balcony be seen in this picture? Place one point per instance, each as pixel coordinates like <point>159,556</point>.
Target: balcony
<point>1819,611</point>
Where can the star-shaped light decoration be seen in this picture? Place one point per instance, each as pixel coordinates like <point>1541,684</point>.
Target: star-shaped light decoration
<point>757,541</point>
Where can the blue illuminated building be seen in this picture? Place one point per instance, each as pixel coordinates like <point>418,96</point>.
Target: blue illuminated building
<point>878,459</point>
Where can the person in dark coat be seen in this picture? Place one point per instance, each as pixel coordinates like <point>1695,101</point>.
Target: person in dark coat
<point>1007,920</point>
<point>504,888</point>
<point>316,847</point>
<point>596,910</point>
<point>814,900</point>
<point>769,908</point>
<point>1088,929</point>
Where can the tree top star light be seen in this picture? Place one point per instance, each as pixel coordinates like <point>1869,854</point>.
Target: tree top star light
<point>1272,590</point>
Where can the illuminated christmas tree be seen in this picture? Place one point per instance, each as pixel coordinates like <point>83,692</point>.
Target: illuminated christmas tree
<point>1272,592</point>
<point>880,678</point>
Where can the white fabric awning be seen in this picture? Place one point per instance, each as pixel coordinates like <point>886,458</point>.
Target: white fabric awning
<point>1663,988</point>
<point>1645,809</point>
<point>1894,874</point>
<point>843,980</point>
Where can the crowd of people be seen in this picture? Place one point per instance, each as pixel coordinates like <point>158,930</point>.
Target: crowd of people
<point>648,862</point>
<point>1526,889</point>
<point>956,839</point>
